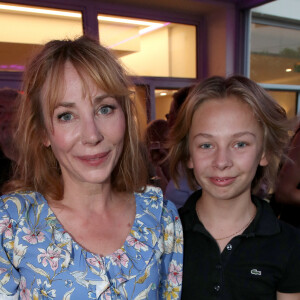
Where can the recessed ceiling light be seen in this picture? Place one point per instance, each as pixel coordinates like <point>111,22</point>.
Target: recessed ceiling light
<point>40,10</point>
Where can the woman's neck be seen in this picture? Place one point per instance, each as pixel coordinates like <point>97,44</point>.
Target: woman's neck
<point>87,197</point>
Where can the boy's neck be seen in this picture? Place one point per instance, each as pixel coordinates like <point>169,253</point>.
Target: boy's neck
<point>228,211</point>
<point>224,219</point>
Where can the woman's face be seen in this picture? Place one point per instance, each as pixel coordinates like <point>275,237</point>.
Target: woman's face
<point>226,147</point>
<point>88,132</point>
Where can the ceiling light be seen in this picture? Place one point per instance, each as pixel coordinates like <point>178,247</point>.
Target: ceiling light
<point>128,21</point>
<point>40,11</point>
<point>288,70</point>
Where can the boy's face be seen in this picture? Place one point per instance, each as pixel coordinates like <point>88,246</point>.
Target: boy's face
<point>226,147</point>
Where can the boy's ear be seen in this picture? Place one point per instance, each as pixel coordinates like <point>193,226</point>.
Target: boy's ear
<point>263,160</point>
<point>190,163</point>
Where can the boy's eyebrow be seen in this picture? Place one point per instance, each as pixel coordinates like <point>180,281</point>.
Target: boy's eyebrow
<point>206,135</point>
<point>236,135</point>
<point>239,134</point>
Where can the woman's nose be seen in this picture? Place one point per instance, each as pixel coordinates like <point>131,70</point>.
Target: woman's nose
<point>222,159</point>
<point>90,132</point>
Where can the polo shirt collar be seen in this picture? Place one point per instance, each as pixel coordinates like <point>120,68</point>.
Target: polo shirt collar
<point>265,222</point>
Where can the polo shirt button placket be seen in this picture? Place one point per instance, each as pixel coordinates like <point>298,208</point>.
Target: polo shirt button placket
<point>229,247</point>
<point>217,288</point>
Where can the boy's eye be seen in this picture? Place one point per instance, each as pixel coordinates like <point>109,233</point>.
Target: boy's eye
<point>206,146</point>
<point>240,145</point>
<point>65,117</point>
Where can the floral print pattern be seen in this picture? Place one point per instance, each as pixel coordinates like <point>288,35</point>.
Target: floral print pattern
<point>39,260</point>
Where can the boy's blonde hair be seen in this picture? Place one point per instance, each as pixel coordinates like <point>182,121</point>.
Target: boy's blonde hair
<point>268,112</point>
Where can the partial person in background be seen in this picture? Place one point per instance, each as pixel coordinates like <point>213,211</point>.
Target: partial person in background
<point>178,194</point>
<point>8,105</point>
<point>229,137</point>
<point>78,221</point>
<point>178,99</point>
<point>155,139</point>
<point>287,189</point>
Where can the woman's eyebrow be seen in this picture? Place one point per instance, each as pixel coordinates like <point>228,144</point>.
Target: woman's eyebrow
<point>65,104</point>
<point>97,99</point>
<point>100,98</point>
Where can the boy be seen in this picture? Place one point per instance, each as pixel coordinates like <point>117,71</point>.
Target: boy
<point>229,137</point>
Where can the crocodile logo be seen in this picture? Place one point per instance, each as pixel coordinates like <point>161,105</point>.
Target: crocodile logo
<point>255,272</point>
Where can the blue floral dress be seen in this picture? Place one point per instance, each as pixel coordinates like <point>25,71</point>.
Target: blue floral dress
<point>39,259</point>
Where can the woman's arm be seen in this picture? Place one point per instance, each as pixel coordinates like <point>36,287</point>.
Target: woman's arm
<point>172,258</point>
<point>9,247</point>
<point>284,296</point>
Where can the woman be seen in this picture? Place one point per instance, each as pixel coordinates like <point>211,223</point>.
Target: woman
<point>77,221</point>
<point>229,137</point>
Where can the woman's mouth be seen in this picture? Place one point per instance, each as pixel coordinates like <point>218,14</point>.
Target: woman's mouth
<point>95,159</point>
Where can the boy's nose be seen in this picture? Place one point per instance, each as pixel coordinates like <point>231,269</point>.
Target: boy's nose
<point>222,159</point>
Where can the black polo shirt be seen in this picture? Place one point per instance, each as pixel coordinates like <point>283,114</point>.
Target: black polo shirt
<point>254,265</point>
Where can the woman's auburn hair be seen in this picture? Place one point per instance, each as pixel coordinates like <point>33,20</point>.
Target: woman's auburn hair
<point>267,111</point>
<point>37,168</point>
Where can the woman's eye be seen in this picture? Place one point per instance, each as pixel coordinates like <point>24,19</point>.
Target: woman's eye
<point>65,117</point>
<point>240,145</point>
<point>206,146</point>
<point>105,110</point>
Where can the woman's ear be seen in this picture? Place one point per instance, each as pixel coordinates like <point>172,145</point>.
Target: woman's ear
<point>46,141</point>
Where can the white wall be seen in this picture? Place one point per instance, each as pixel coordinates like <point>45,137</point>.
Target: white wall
<point>289,9</point>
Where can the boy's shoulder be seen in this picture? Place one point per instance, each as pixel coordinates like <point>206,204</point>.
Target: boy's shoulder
<point>270,224</point>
